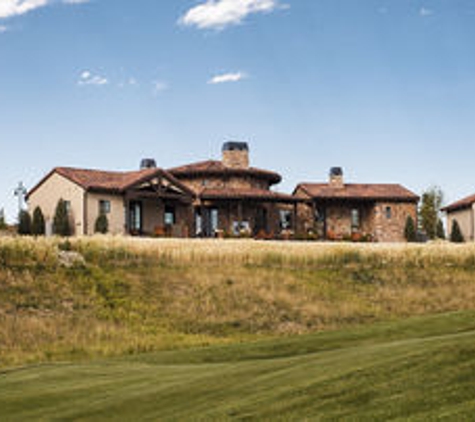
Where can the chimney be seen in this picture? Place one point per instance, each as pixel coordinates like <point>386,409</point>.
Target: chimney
<point>336,177</point>
<point>236,155</point>
<point>148,163</point>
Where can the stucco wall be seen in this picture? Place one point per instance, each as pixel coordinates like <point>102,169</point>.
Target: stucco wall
<point>116,217</point>
<point>47,195</point>
<point>465,219</point>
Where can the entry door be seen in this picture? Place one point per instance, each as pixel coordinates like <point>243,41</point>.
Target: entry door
<point>135,217</point>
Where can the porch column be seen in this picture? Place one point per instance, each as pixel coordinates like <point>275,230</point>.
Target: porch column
<point>294,218</point>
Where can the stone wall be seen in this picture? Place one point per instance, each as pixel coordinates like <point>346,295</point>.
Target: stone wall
<point>197,184</point>
<point>392,229</point>
<point>238,159</point>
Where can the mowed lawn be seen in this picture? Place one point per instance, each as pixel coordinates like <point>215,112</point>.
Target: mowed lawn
<point>418,369</point>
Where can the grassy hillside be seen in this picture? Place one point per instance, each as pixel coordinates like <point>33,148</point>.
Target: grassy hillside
<point>127,296</point>
<point>419,369</point>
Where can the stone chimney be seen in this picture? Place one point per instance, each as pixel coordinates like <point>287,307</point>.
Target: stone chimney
<point>236,155</point>
<point>336,177</point>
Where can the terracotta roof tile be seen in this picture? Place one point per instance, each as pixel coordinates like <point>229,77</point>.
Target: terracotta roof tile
<point>463,203</point>
<point>358,192</point>
<point>110,181</point>
<point>214,167</point>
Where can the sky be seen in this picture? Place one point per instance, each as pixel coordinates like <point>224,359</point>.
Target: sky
<point>383,88</point>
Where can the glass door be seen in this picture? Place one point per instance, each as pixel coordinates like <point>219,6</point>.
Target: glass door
<point>135,217</point>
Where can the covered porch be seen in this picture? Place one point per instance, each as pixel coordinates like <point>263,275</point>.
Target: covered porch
<point>159,206</point>
<point>245,213</point>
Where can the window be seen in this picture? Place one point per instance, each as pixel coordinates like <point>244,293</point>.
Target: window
<point>104,207</point>
<point>214,220</point>
<point>67,205</point>
<point>169,216</point>
<point>389,213</point>
<point>355,219</point>
<point>285,219</point>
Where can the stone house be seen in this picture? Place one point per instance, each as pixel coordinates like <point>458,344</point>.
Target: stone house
<point>233,198</point>
<point>338,210</point>
<point>462,211</point>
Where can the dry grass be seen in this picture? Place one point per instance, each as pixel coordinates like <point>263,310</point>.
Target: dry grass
<point>136,295</point>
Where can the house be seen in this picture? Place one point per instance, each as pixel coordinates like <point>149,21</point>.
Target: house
<point>462,211</point>
<point>147,201</point>
<point>205,199</point>
<point>338,210</point>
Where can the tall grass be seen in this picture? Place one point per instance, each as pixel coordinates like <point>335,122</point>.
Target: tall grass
<point>135,295</point>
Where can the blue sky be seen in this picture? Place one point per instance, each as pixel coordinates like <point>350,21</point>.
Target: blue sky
<point>384,88</point>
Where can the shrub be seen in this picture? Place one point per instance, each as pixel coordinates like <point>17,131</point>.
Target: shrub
<point>24,223</point>
<point>38,223</point>
<point>102,224</point>
<point>410,233</point>
<point>3,223</point>
<point>440,230</point>
<point>61,224</point>
<point>456,235</point>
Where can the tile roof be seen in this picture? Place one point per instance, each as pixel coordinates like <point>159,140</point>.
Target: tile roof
<point>214,167</point>
<point>358,192</point>
<point>243,193</point>
<point>110,181</point>
<point>463,203</point>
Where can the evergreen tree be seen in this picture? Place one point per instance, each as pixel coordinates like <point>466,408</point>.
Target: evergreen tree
<point>3,223</point>
<point>440,230</point>
<point>61,225</point>
<point>24,223</point>
<point>410,230</point>
<point>456,235</point>
<point>429,211</point>
<point>102,224</point>
<point>38,223</point>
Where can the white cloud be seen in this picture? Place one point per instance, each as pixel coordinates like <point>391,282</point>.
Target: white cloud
<point>87,78</point>
<point>76,1</point>
<point>219,14</point>
<point>159,86</point>
<point>227,77</point>
<point>9,8</point>
<point>425,12</point>
<point>3,29</point>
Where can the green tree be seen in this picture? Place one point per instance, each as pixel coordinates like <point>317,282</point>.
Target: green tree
<point>440,230</point>
<point>3,223</point>
<point>61,224</point>
<point>102,224</point>
<point>456,235</point>
<point>430,209</point>
<point>24,223</point>
<point>410,230</point>
<point>38,223</point>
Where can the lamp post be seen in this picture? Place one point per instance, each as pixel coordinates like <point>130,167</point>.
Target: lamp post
<point>20,192</point>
